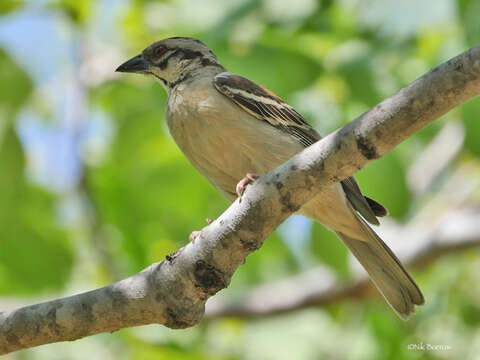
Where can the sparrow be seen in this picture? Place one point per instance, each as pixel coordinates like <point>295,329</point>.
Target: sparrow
<point>232,129</point>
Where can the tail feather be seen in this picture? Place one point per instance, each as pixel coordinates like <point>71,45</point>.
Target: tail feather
<point>386,272</point>
<point>378,209</point>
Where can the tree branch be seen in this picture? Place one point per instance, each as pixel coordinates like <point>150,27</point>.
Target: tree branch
<point>174,291</point>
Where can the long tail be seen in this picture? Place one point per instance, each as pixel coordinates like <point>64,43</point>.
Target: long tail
<point>386,272</point>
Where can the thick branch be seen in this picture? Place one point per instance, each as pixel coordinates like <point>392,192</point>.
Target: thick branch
<point>174,291</point>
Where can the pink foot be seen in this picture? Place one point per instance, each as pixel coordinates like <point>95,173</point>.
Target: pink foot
<point>196,234</point>
<point>242,184</point>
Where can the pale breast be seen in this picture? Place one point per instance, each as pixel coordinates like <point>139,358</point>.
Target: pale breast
<point>222,141</point>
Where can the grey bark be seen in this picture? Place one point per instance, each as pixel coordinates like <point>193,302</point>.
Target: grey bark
<point>174,291</point>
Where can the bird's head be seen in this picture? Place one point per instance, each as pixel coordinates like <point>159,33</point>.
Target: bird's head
<point>171,60</point>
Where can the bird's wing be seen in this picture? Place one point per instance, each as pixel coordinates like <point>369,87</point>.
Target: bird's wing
<point>359,201</point>
<point>264,105</point>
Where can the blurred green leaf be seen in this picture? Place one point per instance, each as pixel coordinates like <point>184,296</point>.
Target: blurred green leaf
<point>7,6</point>
<point>134,25</point>
<point>384,181</point>
<point>272,261</point>
<point>470,115</point>
<point>389,329</point>
<point>152,352</point>
<point>224,28</point>
<point>360,74</point>
<point>329,249</point>
<point>77,11</point>
<point>470,313</point>
<point>468,10</point>
<point>34,252</point>
<point>15,86</point>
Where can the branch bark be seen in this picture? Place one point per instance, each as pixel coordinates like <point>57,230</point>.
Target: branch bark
<point>173,292</point>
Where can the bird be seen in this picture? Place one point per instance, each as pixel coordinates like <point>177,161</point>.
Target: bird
<point>232,130</point>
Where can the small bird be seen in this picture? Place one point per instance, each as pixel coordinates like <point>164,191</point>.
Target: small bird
<point>232,129</point>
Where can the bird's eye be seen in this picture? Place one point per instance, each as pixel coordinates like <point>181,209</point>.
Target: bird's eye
<point>159,51</point>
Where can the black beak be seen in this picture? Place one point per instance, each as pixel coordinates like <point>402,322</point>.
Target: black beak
<point>135,64</point>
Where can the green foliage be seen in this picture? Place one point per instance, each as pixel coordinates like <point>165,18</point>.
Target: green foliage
<point>12,97</point>
<point>330,250</point>
<point>7,6</point>
<point>467,10</point>
<point>77,11</point>
<point>34,252</point>
<point>470,112</point>
<point>259,265</point>
<point>380,177</point>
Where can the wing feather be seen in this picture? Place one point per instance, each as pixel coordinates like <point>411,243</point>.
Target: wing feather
<point>264,105</point>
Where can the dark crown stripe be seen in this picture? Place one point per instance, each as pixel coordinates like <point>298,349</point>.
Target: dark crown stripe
<point>163,64</point>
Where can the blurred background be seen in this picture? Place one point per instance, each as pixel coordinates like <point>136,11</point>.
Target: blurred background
<point>93,189</point>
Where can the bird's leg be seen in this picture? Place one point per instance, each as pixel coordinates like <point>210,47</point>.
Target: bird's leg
<point>197,233</point>
<point>242,184</point>
<point>194,235</point>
